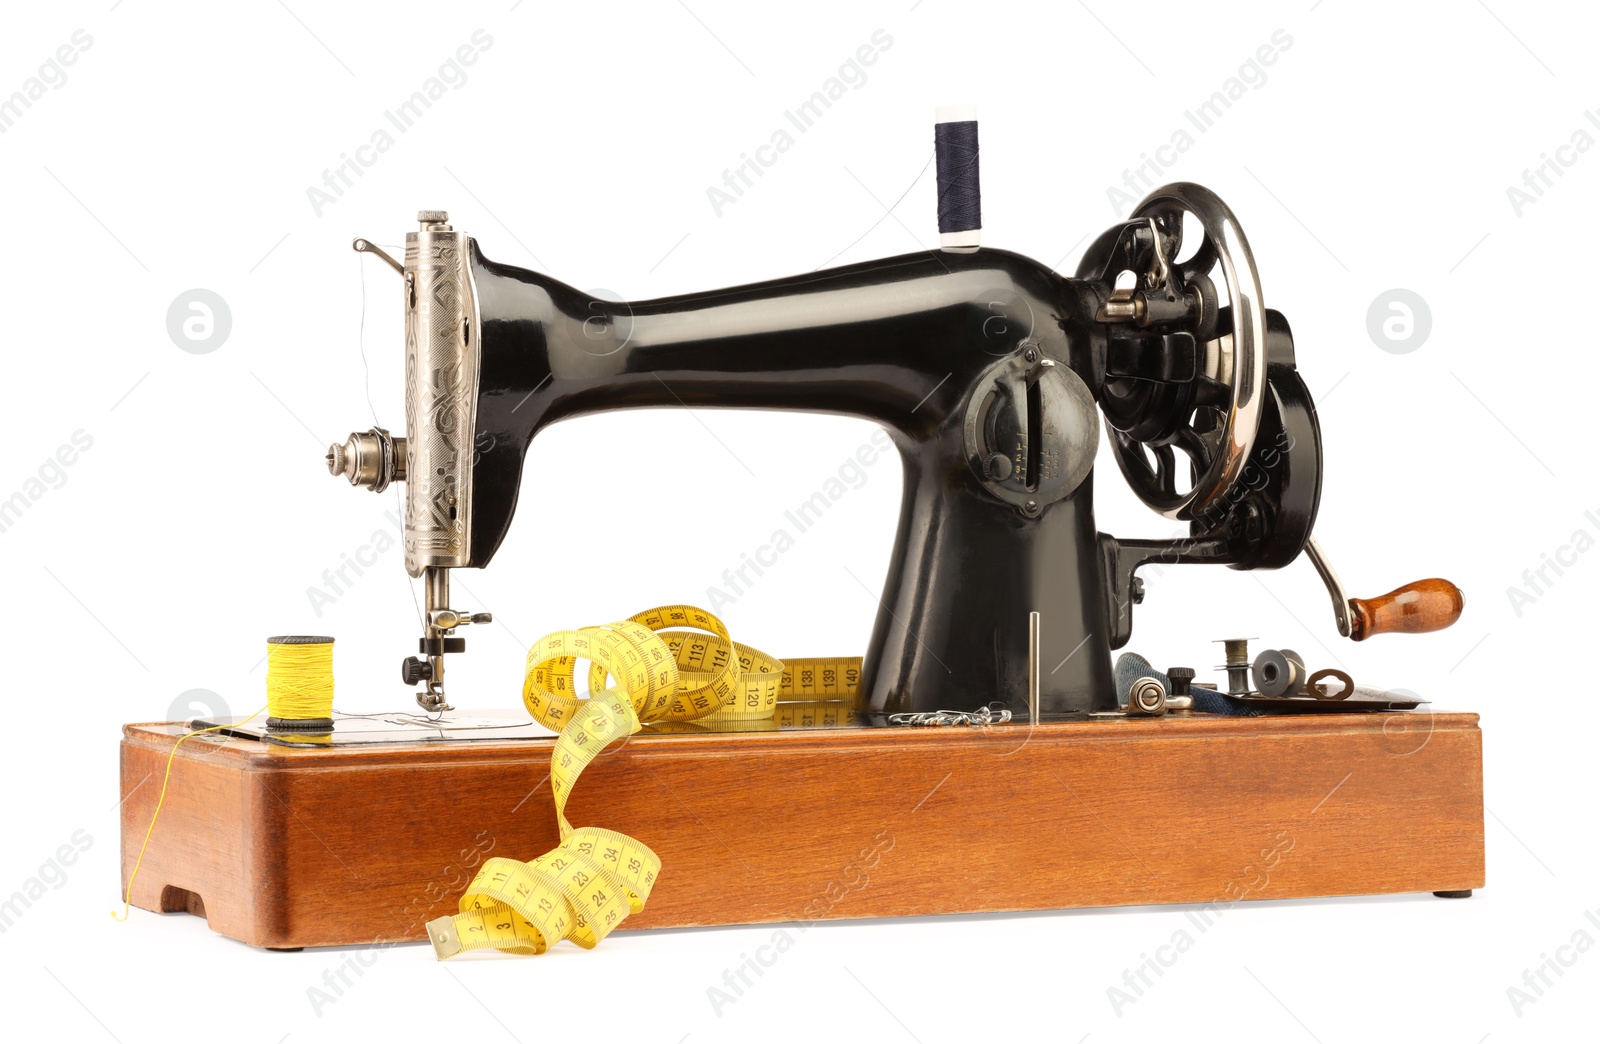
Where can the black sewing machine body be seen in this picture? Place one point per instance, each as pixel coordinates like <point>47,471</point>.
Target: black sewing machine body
<point>991,372</point>
<point>985,366</point>
<point>908,342</point>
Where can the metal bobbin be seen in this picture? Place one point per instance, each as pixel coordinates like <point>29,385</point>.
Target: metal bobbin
<point>1279,672</point>
<point>1236,657</point>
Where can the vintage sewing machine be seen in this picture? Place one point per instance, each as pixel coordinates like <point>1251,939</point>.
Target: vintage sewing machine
<point>992,374</point>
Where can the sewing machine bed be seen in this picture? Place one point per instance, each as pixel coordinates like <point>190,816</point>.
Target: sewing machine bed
<point>285,844</point>
<point>479,726</point>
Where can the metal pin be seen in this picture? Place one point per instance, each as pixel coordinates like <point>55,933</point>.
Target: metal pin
<point>1033,669</point>
<point>366,246</point>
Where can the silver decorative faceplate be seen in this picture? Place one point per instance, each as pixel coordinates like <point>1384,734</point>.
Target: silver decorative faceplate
<point>441,398</point>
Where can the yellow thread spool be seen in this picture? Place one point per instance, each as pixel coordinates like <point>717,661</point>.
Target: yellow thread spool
<point>299,697</point>
<point>300,682</point>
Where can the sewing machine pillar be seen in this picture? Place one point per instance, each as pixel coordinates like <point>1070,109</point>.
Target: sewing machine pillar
<point>964,574</point>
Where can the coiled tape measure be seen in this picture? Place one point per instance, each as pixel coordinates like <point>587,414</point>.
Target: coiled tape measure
<point>589,883</point>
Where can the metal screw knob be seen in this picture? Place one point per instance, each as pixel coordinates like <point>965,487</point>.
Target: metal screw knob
<point>371,458</point>
<point>450,619</point>
<point>414,669</point>
<point>1147,698</point>
<point>1180,678</point>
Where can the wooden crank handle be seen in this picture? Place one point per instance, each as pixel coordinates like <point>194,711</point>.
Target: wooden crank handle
<point>1418,607</point>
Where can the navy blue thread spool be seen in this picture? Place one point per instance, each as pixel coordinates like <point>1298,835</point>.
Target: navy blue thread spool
<point>955,150</point>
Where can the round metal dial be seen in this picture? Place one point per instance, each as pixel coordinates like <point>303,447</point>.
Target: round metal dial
<point>1031,430</point>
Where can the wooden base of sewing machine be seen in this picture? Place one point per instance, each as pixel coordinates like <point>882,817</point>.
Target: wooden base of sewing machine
<point>286,848</point>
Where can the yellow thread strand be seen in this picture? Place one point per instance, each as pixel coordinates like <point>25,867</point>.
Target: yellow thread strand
<point>127,897</point>
<point>299,680</point>
<point>670,665</point>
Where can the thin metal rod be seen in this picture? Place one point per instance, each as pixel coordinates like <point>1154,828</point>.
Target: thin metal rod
<point>364,246</point>
<point>1330,580</point>
<point>1033,669</point>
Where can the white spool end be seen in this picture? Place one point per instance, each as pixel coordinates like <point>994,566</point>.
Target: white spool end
<point>954,113</point>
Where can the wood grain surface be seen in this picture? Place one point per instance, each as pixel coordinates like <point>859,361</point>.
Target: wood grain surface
<point>285,847</point>
<point>1416,608</point>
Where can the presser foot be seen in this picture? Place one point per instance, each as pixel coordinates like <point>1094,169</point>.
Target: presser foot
<point>433,702</point>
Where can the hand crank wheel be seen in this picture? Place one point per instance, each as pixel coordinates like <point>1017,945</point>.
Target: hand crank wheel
<point>1217,440</point>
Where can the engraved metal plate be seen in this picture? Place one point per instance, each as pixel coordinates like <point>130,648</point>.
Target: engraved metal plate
<point>441,399</point>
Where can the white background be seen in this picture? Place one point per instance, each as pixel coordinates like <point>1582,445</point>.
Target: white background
<point>1375,155</point>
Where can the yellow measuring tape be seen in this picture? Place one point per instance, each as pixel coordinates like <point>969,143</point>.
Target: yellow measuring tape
<point>585,886</point>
